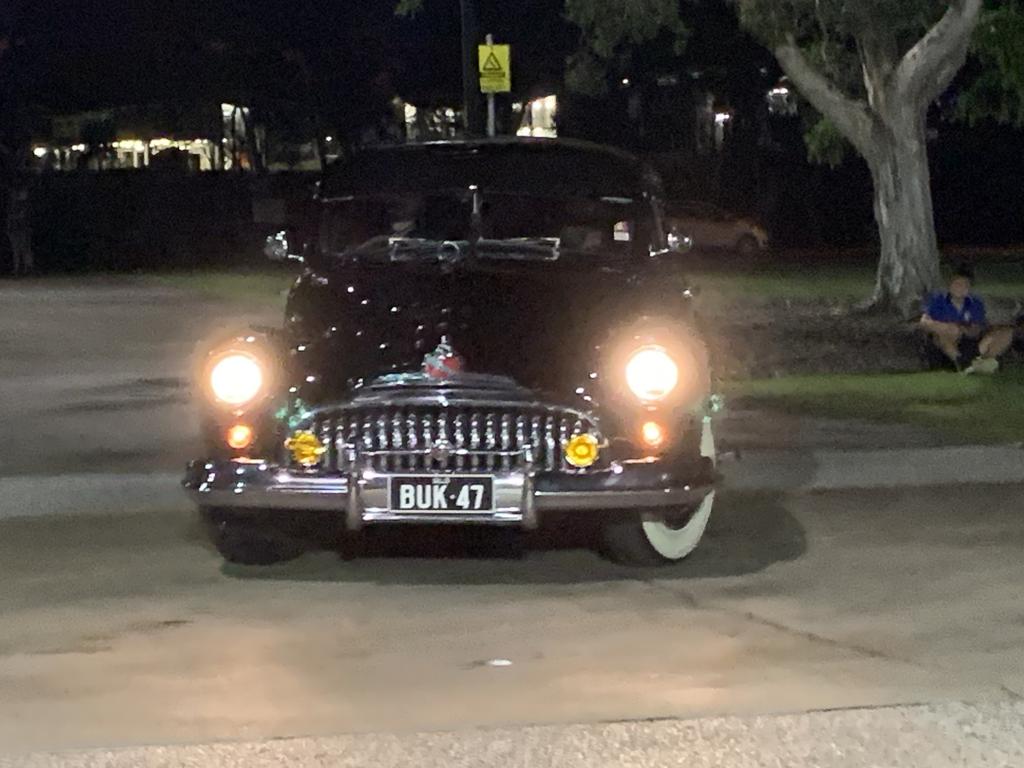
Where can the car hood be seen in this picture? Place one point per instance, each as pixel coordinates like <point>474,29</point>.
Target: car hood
<point>541,325</point>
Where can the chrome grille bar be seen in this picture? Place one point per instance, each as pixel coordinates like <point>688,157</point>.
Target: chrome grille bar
<point>460,441</point>
<point>474,438</point>
<point>415,438</point>
<point>549,443</point>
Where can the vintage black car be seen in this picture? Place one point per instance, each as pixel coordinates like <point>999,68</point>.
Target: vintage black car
<point>484,332</point>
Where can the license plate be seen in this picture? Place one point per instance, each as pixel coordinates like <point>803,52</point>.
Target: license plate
<point>441,493</point>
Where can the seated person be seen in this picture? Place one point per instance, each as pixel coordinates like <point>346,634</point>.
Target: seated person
<point>957,326</point>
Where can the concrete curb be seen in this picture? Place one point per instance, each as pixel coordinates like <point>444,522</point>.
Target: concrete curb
<point>938,735</point>
<point>891,468</point>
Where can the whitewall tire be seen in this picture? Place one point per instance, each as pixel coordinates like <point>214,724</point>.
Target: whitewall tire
<point>646,539</point>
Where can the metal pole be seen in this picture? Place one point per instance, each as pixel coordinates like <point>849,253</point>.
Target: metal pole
<point>470,74</point>
<point>492,128</point>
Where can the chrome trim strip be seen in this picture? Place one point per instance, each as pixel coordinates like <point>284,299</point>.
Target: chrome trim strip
<point>484,401</point>
<point>441,400</point>
<point>361,496</point>
<point>612,500</point>
<point>444,518</point>
<point>353,507</point>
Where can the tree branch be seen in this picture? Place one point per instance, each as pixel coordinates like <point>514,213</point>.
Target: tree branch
<point>850,116</point>
<point>879,57</point>
<point>929,67</point>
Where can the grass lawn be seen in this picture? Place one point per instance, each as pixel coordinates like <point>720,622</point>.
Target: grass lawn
<point>808,284</point>
<point>230,286</point>
<point>783,278</point>
<point>819,280</point>
<point>971,408</point>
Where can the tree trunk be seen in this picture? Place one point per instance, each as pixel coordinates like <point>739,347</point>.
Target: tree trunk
<point>888,130</point>
<point>909,263</point>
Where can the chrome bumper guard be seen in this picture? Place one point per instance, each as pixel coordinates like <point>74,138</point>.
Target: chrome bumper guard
<point>519,498</point>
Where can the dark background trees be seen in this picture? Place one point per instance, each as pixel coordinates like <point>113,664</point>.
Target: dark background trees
<point>308,69</point>
<point>874,70</point>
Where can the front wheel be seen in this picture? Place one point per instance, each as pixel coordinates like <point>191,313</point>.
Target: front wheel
<point>244,542</point>
<point>646,539</point>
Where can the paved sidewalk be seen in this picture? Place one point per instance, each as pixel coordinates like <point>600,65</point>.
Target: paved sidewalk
<point>749,429</point>
<point>816,470</point>
<point>770,451</point>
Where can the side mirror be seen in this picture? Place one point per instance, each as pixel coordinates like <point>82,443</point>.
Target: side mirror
<point>283,246</point>
<point>678,242</point>
<point>676,245</point>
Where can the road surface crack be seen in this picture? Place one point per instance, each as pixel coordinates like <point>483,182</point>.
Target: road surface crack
<point>814,637</point>
<point>1011,693</point>
<point>690,601</point>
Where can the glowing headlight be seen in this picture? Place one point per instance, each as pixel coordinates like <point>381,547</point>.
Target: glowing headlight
<point>236,379</point>
<point>652,374</point>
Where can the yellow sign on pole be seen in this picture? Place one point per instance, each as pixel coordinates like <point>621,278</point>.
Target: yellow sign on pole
<point>495,68</point>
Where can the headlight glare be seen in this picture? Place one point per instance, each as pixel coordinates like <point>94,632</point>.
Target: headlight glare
<point>236,379</point>
<point>651,374</point>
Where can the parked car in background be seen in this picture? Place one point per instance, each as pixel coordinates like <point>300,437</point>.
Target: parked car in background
<point>713,228</point>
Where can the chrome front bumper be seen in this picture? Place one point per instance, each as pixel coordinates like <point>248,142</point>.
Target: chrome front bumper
<point>519,498</point>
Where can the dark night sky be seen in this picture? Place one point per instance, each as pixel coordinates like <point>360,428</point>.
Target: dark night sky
<point>85,53</point>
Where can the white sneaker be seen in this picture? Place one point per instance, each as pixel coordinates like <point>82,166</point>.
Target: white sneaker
<point>983,365</point>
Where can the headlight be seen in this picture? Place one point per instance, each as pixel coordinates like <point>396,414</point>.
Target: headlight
<point>236,379</point>
<point>652,374</point>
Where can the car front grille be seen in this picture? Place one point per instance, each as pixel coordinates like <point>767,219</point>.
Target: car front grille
<point>450,438</point>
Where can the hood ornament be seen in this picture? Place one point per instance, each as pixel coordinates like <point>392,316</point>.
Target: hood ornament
<point>444,362</point>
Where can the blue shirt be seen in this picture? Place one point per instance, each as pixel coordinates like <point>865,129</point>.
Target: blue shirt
<point>941,308</point>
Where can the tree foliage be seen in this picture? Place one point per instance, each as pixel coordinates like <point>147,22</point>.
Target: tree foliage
<point>610,25</point>
<point>825,144</point>
<point>842,40</point>
<point>837,21</point>
<point>997,91</point>
<point>610,30</point>
<point>837,36</point>
<point>408,8</point>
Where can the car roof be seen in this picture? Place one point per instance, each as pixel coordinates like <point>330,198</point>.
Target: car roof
<point>526,165</point>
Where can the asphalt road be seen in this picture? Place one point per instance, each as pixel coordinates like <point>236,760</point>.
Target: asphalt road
<point>127,629</point>
<point>119,626</point>
<point>95,377</point>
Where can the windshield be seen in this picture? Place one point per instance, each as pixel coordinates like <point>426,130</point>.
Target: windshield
<point>509,225</point>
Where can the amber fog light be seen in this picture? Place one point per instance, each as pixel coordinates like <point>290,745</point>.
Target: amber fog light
<point>582,451</point>
<point>653,434</point>
<point>240,436</point>
<point>305,448</point>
